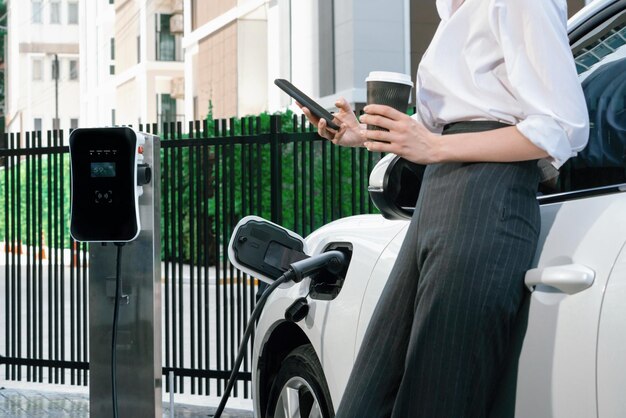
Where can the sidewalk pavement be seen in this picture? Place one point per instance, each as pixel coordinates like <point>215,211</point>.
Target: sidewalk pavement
<point>39,403</point>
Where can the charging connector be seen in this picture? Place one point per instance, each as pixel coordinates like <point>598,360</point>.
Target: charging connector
<point>334,261</point>
<point>331,261</point>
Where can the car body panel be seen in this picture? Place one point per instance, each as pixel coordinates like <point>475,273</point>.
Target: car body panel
<point>611,357</point>
<point>556,376</point>
<point>369,235</point>
<point>557,373</point>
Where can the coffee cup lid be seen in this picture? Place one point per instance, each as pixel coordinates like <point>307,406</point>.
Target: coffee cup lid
<point>390,77</point>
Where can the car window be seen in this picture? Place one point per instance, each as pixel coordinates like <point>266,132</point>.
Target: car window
<point>601,63</point>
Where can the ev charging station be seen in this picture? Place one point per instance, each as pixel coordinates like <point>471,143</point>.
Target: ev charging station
<point>116,208</point>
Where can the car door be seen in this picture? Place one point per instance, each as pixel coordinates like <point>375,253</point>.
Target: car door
<point>561,366</point>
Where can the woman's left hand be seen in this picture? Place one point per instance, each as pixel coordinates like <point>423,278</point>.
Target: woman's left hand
<point>406,138</point>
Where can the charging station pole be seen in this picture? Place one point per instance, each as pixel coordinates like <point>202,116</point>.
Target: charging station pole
<point>139,373</point>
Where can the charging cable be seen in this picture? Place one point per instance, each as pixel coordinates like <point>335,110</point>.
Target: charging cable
<point>333,261</point>
<point>246,335</point>
<point>116,313</point>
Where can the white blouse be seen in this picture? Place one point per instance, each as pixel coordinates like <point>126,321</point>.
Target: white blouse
<point>509,61</point>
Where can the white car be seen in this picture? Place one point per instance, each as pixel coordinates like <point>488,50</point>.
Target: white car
<point>570,345</point>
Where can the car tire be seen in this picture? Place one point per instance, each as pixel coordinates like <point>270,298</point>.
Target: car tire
<point>300,389</point>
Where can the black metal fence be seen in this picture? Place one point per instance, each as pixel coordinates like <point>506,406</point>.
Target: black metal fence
<point>212,175</point>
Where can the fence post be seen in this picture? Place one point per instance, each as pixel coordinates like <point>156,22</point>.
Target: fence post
<point>276,163</point>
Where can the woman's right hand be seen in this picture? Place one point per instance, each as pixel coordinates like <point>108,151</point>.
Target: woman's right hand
<point>349,133</point>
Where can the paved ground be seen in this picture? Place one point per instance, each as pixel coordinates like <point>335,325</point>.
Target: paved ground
<point>37,403</point>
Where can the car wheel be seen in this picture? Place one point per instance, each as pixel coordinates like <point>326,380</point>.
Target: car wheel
<point>300,389</point>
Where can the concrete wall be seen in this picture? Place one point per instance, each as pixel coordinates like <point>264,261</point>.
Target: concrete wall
<point>204,10</point>
<point>97,88</point>
<point>217,73</point>
<point>127,29</point>
<point>251,57</point>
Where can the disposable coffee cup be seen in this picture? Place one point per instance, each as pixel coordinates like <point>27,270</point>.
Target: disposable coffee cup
<point>388,88</point>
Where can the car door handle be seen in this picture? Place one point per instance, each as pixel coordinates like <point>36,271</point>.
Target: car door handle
<point>569,278</point>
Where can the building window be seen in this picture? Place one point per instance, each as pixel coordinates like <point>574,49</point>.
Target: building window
<point>73,69</point>
<point>168,45</point>
<point>72,13</point>
<point>112,69</point>
<point>166,109</point>
<point>37,124</point>
<point>112,117</point>
<point>111,1</point>
<point>37,69</point>
<point>37,7</point>
<point>112,48</point>
<point>73,123</point>
<point>56,123</point>
<point>55,12</point>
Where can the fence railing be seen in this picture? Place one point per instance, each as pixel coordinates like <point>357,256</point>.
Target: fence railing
<point>212,175</point>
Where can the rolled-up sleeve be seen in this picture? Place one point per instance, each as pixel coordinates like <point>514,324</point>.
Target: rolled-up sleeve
<point>542,74</point>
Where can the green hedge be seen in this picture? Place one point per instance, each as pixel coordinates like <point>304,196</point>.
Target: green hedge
<point>345,158</point>
<point>60,221</point>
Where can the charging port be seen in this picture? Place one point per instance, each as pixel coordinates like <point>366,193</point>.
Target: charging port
<point>326,285</point>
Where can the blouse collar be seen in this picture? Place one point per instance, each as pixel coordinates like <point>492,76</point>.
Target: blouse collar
<point>446,8</point>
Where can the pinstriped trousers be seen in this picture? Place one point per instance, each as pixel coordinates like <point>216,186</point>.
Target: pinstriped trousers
<point>439,334</point>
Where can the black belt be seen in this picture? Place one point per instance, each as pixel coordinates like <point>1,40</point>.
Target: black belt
<point>472,126</point>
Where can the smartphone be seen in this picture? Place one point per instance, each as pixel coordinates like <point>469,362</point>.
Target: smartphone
<point>307,102</point>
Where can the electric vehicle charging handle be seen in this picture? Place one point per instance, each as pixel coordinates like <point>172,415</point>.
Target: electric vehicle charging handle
<point>116,199</point>
<point>332,260</point>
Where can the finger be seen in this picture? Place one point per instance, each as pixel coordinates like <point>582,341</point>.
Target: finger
<point>380,121</point>
<point>310,116</point>
<point>343,104</point>
<point>372,135</point>
<point>374,146</point>
<point>386,111</point>
<point>323,131</point>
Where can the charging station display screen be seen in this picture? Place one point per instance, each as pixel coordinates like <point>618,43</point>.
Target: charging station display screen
<point>106,169</point>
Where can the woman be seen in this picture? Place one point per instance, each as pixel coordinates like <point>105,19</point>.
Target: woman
<point>497,91</point>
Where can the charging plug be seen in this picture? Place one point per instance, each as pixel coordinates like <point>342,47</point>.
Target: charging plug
<point>332,261</point>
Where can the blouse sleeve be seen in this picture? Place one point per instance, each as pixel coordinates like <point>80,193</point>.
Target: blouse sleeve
<point>542,73</point>
<point>423,116</point>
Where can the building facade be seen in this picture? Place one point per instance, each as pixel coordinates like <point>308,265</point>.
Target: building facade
<point>154,61</point>
<point>42,65</point>
<point>234,49</point>
<point>149,69</point>
<point>226,59</point>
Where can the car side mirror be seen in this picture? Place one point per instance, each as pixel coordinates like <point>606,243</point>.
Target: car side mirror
<point>395,185</point>
<point>264,249</point>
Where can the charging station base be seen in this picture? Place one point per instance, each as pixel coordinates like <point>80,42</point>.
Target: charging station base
<point>139,367</point>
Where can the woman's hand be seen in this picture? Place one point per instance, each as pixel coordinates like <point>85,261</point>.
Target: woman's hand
<point>349,133</point>
<point>411,140</point>
<point>406,137</point>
